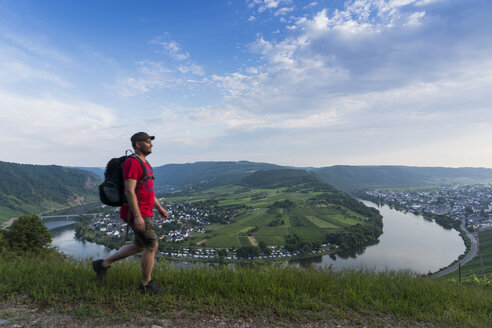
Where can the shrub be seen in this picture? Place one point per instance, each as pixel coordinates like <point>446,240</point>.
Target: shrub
<point>27,234</point>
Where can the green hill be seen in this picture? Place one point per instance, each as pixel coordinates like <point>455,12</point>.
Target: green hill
<point>281,207</point>
<point>205,174</point>
<point>280,178</point>
<point>28,189</point>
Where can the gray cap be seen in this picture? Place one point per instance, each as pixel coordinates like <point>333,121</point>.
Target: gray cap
<point>141,136</point>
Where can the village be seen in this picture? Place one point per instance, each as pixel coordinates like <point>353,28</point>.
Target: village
<point>469,203</point>
<point>183,220</point>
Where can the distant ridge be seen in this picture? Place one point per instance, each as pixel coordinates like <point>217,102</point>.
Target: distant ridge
<point>350,178</point>
<point>344,177</point>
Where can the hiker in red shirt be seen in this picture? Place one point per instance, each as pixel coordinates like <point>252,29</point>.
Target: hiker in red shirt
<point>139,192</point>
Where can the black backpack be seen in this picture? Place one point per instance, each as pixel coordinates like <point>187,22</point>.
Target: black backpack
<point>112,190</point>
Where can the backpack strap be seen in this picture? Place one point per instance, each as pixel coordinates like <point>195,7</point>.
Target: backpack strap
<point>144,173</point>
<point>144,169</point>
<point>142,179</point>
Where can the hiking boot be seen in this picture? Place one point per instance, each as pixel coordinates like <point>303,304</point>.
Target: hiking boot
<point>100,270</point>
<point>152,288</point>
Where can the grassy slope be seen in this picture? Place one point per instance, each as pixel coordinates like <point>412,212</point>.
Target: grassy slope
<point>6,214</point>
<point>311,223</point>
<point>474,266</point>
<point>282,294</point>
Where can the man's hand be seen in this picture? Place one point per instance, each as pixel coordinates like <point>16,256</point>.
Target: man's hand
<point>160,209</point>
<point>162,212</point>
<point>139,224</point>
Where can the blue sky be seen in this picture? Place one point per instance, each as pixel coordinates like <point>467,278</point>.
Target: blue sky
<point>303,83</point>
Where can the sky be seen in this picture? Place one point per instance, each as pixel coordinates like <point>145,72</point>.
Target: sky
<point>301,83</point>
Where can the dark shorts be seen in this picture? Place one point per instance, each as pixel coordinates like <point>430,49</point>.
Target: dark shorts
<point>147,237</point>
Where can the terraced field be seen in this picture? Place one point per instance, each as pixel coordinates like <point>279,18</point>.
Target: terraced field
<point>308,218</point>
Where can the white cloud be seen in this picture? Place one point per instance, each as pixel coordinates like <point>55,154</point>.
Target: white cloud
<point>14,71</point>
<point>372,82</point>
<point>428,2</point>
<point>284,11</point>
<point>375,74</point>
<point>152,75</point>
<point>172,49</point>
<point>37,46</point>
<point>311,4</point>
<point>24,63</point>
<point>46,128</point>
<point>191,68</point>
<point>264,5</point>
<point>156,75</point>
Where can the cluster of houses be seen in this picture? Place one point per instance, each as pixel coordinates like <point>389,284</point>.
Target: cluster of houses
<point>469,203</point>
<point>188,219</point>
<point>183,219</point>
<point>110,223</point>
<point>212,254</point>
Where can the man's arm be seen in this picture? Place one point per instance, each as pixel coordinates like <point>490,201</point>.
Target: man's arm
<point>131,197</point>
<point>160,209</point>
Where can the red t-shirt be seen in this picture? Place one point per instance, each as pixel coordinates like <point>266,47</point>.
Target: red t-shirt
<point>145,191</point>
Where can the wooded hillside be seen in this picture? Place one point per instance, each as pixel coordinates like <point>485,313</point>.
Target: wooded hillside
<point>29,189</point>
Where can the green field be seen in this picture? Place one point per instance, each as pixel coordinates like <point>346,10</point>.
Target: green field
<point>474,267</point>
<point>308,219</point>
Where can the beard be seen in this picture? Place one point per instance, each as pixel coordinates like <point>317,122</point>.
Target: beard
<point>146,152</point>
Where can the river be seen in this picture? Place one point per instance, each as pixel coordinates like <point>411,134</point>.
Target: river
<point>408,242</point>
<point>63,237</point>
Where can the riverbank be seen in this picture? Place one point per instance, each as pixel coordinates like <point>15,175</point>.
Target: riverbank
<point>479,269</point>
<point>472,246</point>
<point>265,296</point>
<point>470,242</point>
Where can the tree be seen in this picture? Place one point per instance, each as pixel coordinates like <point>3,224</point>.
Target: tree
<point>222,252</point>
<point>28,234</point>
<point>248,251</point>
<point>264,248</point>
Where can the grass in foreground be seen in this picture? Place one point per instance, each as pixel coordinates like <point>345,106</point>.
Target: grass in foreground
<point>285,294</point>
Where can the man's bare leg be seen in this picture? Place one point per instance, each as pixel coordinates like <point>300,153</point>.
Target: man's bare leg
<point>147,264</point>
<point>123,252</point>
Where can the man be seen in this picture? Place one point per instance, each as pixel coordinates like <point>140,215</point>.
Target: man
<point>138,213</point>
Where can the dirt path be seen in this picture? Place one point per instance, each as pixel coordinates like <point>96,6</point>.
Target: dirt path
<point>253,240</point>
<point>201,242</point>
<point>22,315</point>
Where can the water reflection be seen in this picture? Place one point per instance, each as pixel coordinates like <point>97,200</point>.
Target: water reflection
<point>63,237</point>
<point>353,253</point>
<point>54,226</point>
